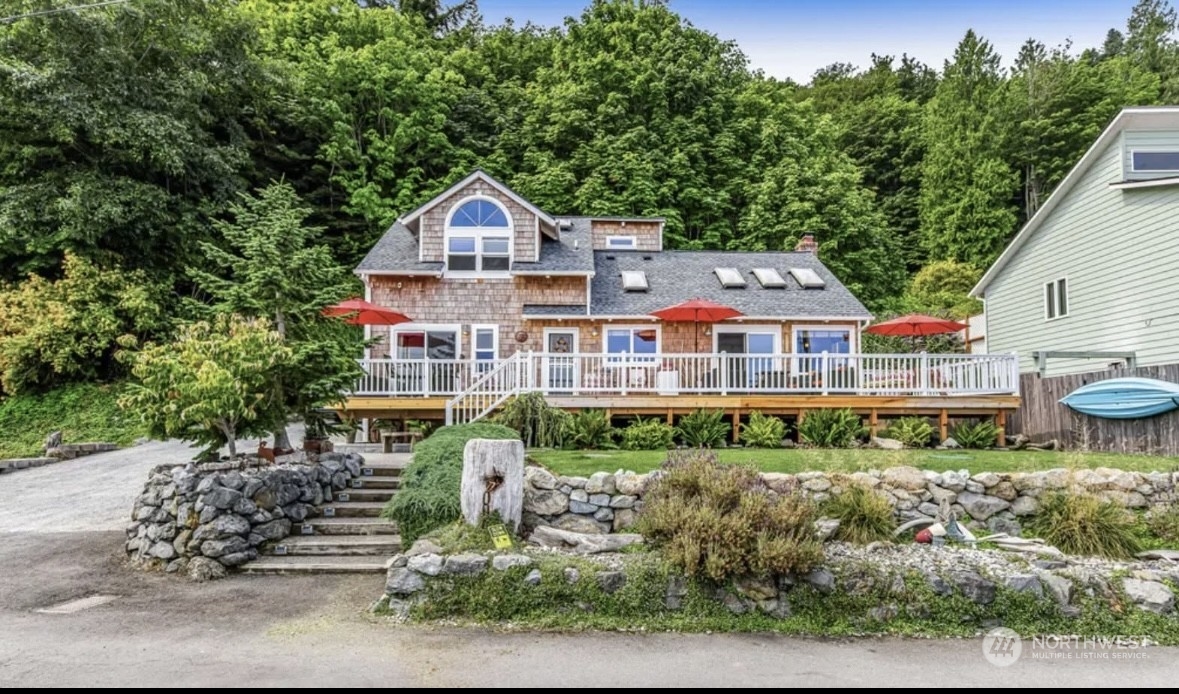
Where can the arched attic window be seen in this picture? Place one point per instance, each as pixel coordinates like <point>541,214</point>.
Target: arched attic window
<point>478,237</point>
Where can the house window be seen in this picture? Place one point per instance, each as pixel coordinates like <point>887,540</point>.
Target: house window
<point>1056,299</point>
<point>427,344</point>
<point>478,237</point>
<point>1155,162</point>
<point>819,341</point>
<point>622,243</point>
<point>632,341</point>
<point>484,346</point>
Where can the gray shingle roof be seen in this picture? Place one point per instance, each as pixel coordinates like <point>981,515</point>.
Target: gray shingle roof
<point>555,310</point>
<point>573,253</point>
<point>396,251</point>
<point>677,276</point>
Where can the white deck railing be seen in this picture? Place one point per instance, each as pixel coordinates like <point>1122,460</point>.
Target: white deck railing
<point>482,385</point>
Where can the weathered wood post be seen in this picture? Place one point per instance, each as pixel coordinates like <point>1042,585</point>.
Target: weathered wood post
<point>493,480</point>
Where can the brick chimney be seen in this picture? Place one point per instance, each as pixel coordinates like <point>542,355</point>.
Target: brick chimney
<point>807,244</point>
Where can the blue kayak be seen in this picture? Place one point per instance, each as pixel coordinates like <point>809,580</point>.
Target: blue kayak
<point>1124,398</point>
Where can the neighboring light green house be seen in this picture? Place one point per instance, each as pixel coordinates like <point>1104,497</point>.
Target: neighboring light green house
<point>1096,269</point>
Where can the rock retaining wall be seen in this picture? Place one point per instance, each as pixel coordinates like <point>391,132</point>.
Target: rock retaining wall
<point>69,451</point>
<point>59,452</point>
<point>208,517</point>
<point>877,583</point>
<point>605,502</point>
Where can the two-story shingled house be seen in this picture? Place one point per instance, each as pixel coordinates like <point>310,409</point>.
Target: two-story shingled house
<point>506,298</point>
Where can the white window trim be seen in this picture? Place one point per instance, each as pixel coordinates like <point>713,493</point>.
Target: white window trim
<point>630,355</point>
<point>478,234</point>
<point>426,328</point>
<point>634,242</point>
<point>494,328</point>
<point>853,341</point>
<point>1154,150</point>
<point>775,330</point>
<point>1055,284</point>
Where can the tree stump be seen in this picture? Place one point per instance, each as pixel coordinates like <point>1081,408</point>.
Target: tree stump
<point>495,466</point>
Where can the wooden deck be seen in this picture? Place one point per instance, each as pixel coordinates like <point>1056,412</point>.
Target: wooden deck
<point>873,407</point>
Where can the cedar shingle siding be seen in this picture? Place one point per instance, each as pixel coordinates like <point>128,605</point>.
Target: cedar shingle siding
<point>433,223</point>
<point>647,234</point>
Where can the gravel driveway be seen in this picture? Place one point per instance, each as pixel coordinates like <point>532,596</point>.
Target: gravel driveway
<point>94,493</point>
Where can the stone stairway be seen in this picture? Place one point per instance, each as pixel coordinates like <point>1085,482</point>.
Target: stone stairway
<point>348,535</point>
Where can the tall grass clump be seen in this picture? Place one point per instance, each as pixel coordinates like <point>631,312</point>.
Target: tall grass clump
<point>864,515</point>
<point>1085,525</point>
<point>721,521</point>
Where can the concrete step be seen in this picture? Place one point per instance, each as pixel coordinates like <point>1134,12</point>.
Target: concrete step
<point>347,526</point>
<point>314,565</point>
<point>338,545</point>
<point>381,469</point>
<point>374,494</point>
<point>352,509</point>
<point>376,483</point>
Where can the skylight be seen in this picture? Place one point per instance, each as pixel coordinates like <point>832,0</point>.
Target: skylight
<point>807,278</point>
<point>769,278</point>
<point>634,281</point>
<point>729,277</point>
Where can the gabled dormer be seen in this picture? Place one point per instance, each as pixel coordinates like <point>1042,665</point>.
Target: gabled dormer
<point>479,227</point>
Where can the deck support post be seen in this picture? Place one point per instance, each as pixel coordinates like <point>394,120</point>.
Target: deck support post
<point>670,417</point>
<point>873,422</point>
<point>736,425</point>
<point>943,423</point>
<point>1001,423</point>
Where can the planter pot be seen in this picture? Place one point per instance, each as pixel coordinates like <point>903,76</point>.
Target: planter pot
<point>317,445</point>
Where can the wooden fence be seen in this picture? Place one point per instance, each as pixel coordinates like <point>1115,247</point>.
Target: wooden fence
<point>1042,417</point>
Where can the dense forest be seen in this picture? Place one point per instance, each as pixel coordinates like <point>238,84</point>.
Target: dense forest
<point>129,132</point>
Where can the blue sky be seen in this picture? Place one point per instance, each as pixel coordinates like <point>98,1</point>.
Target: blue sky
<point>793,38</point>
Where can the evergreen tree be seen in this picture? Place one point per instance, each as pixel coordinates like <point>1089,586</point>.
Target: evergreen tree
<point>967,187</point>
<point>269,267</point>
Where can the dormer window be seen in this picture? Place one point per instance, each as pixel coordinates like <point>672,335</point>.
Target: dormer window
<point>478,237</point>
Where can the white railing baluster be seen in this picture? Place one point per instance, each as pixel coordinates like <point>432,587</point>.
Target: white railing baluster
<point>477,387</point>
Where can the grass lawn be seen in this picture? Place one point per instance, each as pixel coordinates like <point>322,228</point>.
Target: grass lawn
<point>802,459</point>
<point>83,412</point>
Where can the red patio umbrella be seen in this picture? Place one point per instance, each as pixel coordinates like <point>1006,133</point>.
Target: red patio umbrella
<point>361,312</point>
<point>916,325</point>
<point>697,311</point>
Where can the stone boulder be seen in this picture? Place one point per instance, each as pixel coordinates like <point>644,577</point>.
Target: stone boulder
<point>887,444</point>
<point>539,478</point>
<point>202,569</point>
<point>982,506</point>
<point>1152,596</point>
<point>546,502</point>
<point>904,477</point>
<point>465,564</point>
<point>582,543</point>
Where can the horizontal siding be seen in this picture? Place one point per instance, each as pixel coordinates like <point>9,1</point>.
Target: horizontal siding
<point>1119,250</point>
<point>1146,139</point>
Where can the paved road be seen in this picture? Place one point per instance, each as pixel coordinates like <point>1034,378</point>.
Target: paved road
<point>316,631</point>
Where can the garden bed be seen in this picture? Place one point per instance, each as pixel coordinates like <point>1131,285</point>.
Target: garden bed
<point>794,460</point>
<point>878,589</point>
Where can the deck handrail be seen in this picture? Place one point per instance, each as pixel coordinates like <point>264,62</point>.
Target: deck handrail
<point>476,388</point>
<point>487,392</point>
